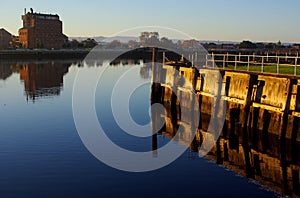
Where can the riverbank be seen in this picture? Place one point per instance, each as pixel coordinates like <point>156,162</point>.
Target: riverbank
<point>42,54</point>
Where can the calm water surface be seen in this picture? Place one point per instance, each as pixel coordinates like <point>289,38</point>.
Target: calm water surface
<point>42,155</point>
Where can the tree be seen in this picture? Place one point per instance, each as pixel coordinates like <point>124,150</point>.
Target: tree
<point>115,44</point>
<point>74,43</point>
<point>247,45</point>
<point>132,44</point>
<point>89,43</point>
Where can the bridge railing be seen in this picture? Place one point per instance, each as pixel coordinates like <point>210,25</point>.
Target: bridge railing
<point>258,63</point>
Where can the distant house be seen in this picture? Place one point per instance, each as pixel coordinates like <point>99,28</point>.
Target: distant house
<point>5,39</point>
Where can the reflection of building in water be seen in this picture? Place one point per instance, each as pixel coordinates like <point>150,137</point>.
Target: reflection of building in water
<point>42,80</point>
<point>5,71</point>
<point>253,142</point>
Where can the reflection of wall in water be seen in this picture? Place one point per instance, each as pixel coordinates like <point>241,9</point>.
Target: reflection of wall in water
<point>261,135</point>
<point>41,80</point>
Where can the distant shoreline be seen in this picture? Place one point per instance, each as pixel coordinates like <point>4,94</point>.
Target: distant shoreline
<point>41,54</point>
<point>80,54</point>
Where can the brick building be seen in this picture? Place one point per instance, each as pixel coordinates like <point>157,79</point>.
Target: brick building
<point>41,31</point>
<point>5,38</point>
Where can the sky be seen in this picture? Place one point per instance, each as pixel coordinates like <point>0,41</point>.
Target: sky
<point>224,20</point>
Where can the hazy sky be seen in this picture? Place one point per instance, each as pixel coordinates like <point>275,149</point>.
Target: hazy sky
<point>236,20</point>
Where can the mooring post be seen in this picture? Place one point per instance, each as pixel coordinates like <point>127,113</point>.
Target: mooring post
<point>156,78</point>
<point>153,57</point>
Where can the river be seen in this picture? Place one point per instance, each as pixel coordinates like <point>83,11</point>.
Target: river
<point>42,154</point>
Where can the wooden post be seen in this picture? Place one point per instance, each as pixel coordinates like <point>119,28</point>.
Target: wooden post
<point>193,60</point>
<point>267,56</point>
<point>224,59</point>
<point>213,59</point>
<point>164,58</point>
<point>295,69</point>
<point>235,62</point>
<point>206,57</point>
<point>240,57</point>
<point>248,67</point>
<point>227,55</point>
<point>153,57</point>
<point>262,64</point>
<point>278,64</point>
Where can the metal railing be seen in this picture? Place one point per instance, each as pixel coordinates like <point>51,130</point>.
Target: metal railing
<point>273,64</point>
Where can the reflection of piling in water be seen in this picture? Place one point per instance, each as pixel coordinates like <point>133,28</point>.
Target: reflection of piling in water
<point>261,136</point>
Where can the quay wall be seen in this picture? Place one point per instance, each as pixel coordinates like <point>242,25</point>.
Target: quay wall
<point>266,102</point>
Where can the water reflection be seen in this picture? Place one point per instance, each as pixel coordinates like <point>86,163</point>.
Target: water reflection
<point>5,71</point>
<point>45,79</point>
<point>41,79</point>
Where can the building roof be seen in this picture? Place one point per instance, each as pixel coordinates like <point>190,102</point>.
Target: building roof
<point>2,30</point>
<point>44,16</point>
